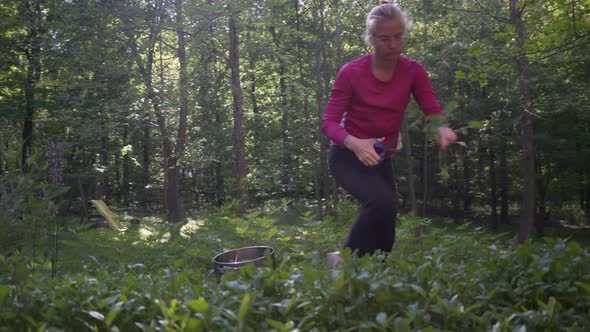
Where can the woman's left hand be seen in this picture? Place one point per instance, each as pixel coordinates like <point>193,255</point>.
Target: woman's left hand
<point>446,137</point>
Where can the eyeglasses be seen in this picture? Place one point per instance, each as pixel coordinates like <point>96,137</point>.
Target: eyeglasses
<point>388,39</point>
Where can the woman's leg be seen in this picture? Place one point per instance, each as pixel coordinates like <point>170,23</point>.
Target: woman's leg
<point>374,228</point>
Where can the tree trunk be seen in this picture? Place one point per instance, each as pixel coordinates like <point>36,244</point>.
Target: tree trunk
<point>493,190</point>
<point>284,102</point>
<point>455,190</point>
<point>424,173</point>
<point>585,194</point>
<point>503,184</point>
<point>321,176</point>
<point>146,74</point>
<point>541,185</point>
<point>411,175</point>
<point>236,88</point>
<point>303,85</point>
<point>587,191</point>
<point>33,56</point>
<point>213,73</point>
<point>146,158</point>
<point>584,182</point>
<point>527,133</point>
<point>174,199</point>
<point>169,158</point>
<point>466,181</point>
<point>126,172</point>
<point>218,163</point>
<point>105,181</point>
<point>117,181</point>
<point>286,155</point>
<point>481,174</point>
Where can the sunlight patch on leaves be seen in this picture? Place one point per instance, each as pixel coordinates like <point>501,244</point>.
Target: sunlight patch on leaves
<point>191,227</point>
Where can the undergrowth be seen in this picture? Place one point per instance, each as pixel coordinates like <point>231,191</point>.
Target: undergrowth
<point>159,277</point>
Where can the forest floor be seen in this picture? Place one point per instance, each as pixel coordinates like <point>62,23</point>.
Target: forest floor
<point>160,277</point>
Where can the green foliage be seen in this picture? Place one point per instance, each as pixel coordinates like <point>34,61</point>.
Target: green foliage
<point>99,60</point>
<point>29,206</point>
<point>437,278</point>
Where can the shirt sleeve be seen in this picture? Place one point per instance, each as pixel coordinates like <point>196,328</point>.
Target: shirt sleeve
<point>338,104</point>
<point>424,94</point>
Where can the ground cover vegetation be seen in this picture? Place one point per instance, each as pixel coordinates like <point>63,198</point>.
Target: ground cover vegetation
<point>440,277</point>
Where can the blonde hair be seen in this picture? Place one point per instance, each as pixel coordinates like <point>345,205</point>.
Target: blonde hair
<point>385,12</point>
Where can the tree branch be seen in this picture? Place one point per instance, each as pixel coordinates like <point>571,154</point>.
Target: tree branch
<point>461,10</point>
<point>560,49</point>
<point>497,18</point>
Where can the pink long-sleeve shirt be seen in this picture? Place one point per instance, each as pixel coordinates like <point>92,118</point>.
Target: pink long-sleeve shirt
<point>365,107</point>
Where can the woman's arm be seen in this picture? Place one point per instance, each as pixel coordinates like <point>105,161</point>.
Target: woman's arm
<point>338,104</point>
<point>426,99</point>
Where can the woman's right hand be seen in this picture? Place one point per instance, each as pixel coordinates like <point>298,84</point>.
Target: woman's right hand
<point>363,149</point>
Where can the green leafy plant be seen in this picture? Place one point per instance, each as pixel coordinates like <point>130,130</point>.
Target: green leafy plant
<point>438,277</point>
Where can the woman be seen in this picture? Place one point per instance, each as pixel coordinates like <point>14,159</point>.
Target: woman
<point>364,116</point>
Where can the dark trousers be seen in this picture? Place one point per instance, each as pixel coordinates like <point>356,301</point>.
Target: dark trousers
<point>374,188</point>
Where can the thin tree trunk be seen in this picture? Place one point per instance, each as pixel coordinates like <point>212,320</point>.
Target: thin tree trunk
<point>33,56</point>
<point>308,139</point>
<point>541,185</point>
<point>218,163</point>
<point>126,172</point>
<point>170,156</point>
<point>481,160</point>
<point>455,190</point>
<point>333,67</point>
<point>117,181</point>
<point>169,159</point>
<point>212,111</point>
<point>322,186</point>
<point>173,198</point>
<point>584,183</point>
<point>528,163</point>
<point>146,158</point>
<point>218,160</point>
<point>411,175</point>
<point>586,195</point>
<point>466,181</point>
<point>425,37</point>
<point>503,184</point>
<point>105,183</point>
<point>211,74</point>
<point>219,183</point>
<point>146,74</point>
<point>287,173</point>
<point>425,174</point>
<point>583,191</point>
<point>284,101</point>
<point>239,136</point>
<point>493,190</point>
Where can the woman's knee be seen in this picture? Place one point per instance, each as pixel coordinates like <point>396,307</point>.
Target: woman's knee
<point>383,205</point>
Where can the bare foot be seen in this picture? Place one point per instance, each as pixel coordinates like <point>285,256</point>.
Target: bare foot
<point>334,259</point>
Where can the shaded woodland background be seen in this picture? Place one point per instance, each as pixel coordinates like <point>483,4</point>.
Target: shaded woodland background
<point>172,105</point>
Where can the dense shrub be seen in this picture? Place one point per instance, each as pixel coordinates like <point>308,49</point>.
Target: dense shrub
<point>29,204</point>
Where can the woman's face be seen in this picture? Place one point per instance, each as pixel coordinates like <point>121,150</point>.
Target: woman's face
<point>388,39</point>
